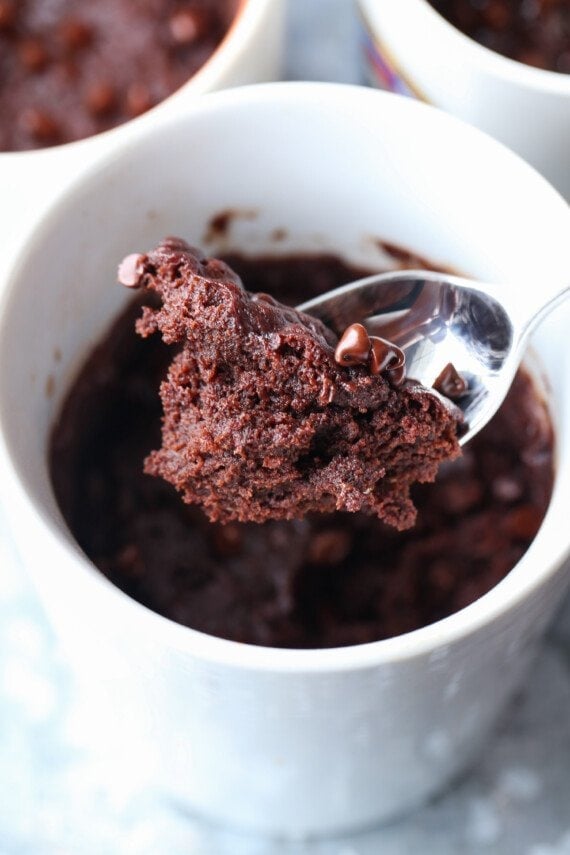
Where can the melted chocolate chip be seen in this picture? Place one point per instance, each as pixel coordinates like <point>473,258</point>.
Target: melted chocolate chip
<point>330,546</point>
<point>356,347</point>
<point>227,540</point>
<point>396,375</point>
<point>74,34</point>
<point>139,99</point>
<point>33,55</point>
<point>40,125</point>
<point>386,357</point>
<point>188,25</point>
<point>450,383</point>
<point>353,347</point>
<point>129,270</point>
<point>101,98</point>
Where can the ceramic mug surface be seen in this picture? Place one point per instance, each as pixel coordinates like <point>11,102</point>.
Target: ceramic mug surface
<point>410,48</point>
<point>282,741</point>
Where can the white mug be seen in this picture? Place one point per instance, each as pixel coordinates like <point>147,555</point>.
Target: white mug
<point>411,48</point>
<point>281,741</point>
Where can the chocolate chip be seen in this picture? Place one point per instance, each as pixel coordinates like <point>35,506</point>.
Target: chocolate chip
<point>396,375</point>
<point>130,270</point>
<point>532,57</point>
<point>100,98</point>
<point>188,25</point>
<point>227,540</point>
<point>563,63</point>
<point>33,54</point>
<point>356,347</point>
<point>460,495</point>
<point>497,15</point>
<point>386,357</point>
<point>353,347</point>
<point>40,125</point>
<point>74,34</point>
<point>506,488</point>
<point>7,14</point>
<point>139,99</point>
<point>522,522</point>
<point>130,561</point>
<point>450,383</point>
<point>442,575</point>
<point>329,547</point>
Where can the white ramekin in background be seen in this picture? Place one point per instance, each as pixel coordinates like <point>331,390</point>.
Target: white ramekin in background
<point>409,47</point>
<point>250,52</point>
<point>282,741</point>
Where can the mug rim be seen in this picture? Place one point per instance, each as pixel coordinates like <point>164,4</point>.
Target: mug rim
<point>494,63</point>
<point>502,598</point>
<point>205,79</point>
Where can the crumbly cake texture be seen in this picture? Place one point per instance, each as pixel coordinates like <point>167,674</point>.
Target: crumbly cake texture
<point>259,421</point>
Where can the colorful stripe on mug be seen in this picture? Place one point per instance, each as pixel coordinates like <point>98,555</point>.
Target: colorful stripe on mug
<point>381,71</point>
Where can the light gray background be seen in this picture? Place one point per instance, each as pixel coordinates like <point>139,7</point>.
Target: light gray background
<point>54,802</point>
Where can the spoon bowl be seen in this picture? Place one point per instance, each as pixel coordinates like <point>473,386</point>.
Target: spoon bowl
<point>440,320</point>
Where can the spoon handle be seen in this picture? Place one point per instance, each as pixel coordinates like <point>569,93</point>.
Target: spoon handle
<point>543,310</point>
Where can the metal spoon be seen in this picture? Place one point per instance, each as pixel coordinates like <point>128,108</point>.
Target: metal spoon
<point>438,319</point>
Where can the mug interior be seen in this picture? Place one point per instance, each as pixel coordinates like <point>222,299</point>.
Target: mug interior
<point>336,168</point>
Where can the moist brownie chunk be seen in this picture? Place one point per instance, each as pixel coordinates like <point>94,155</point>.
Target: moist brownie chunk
<point>260,421</point>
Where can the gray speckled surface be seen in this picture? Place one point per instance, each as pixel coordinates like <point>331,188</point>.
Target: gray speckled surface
<point>54,801</point>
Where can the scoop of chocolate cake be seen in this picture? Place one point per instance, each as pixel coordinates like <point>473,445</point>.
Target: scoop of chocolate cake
<point>261,421</point>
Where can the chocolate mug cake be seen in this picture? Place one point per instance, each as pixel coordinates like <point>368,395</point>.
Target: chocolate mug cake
<point>535,32</point>
<point>69,70</point>
<point>325,580</point>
